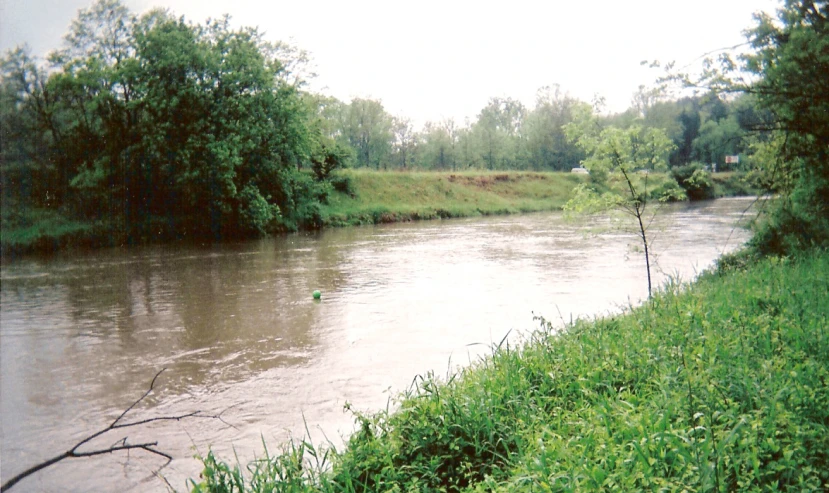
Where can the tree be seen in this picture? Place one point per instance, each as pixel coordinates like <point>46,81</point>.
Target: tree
<point>498,131</point>
<point>369,131</point>
<point>547,145</point>
<point>404,141</point>
<point>792,60</point>
<point>161,127</point>
<point>620,154</point>
<point>436,148</point>
<point>785,72</point>
<point>27,160</point>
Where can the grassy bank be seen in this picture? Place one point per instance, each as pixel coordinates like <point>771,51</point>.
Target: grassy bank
<point>392,196</point>
<point>355,197</point>
<point>723,386</point>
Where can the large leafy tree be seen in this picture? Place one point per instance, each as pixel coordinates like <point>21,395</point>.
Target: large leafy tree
<point>548,147</point>
<point>368,128</point>
<point>161,126</point>
<point>791,59</point>
<point>784,72</point>
<point>498,131</point>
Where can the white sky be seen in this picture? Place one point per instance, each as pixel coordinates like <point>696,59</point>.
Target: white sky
<point>431,59</point>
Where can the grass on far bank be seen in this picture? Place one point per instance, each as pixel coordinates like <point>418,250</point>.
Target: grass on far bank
<point>720,386</point>
<point>45,229</point>
<point>400,196</point>
<point>382,196</point>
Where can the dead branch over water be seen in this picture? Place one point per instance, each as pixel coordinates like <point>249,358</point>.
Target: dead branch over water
<point>121,444</point>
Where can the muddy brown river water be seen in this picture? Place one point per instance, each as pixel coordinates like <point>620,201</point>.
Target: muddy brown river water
<point>235,325</point>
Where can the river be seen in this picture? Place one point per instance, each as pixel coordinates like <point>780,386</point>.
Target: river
<point>235,326</point>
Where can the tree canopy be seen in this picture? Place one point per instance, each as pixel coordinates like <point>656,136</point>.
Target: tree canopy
<point>157,125</point>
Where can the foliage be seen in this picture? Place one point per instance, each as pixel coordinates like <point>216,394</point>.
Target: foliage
<point>328,159</point>
<point>784,74</point>
<point>624,152</point>
<point>154,122</point>
<point>695,180</point>
<point>720,386</point>
<point>792,59</point>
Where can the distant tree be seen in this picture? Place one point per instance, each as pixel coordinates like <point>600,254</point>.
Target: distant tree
<point>369,131</point>
<point>718,139</point>
<point>450,128</point>
<point>690,121</point>
<point>498,133</point>
<point>646,98</point>
<point>436,147</point>
<point>547,145</point>
<point>404,141</point>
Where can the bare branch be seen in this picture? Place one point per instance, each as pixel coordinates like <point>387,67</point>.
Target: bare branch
<point>120,445</point>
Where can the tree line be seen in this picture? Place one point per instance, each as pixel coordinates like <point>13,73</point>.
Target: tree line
<point>158,127</point>
<point>507,135</point>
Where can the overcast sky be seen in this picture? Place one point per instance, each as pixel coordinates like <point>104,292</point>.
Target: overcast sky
<point>431,59</point>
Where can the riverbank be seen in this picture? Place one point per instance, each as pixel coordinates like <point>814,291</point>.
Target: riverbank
<point>718,386</point>
<point>355,197</point>
<point>382,197</point>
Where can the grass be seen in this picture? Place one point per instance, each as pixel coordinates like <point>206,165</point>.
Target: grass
<point>26,229</point>
<point>733,184</point>
<point>393,196</point>
<point>720,386</point>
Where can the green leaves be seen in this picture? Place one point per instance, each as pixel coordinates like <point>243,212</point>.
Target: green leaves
<point>156,118</point>
<point>622,154</point>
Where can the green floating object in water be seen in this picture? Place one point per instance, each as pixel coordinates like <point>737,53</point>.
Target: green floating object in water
<point>317,294</point>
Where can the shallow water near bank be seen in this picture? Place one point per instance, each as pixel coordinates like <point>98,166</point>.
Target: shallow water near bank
<point>236,326</point>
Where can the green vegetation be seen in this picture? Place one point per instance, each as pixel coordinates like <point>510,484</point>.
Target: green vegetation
<point>789,62</point>
<point>354,197</point>
<point>156,128</point>
<point>720,386</point>
<point>378,197</point>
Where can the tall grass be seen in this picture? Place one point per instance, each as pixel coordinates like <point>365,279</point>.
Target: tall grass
<point>721,386</point>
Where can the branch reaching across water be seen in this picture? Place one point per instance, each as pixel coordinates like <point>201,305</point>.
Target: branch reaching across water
<point>120,445</point>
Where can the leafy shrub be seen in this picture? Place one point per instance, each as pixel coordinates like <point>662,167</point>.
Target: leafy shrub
<point>343,184</point>
<point>328,159</point>
<point>668,191</point>
<point>695,181</point>
<point>255,211</point>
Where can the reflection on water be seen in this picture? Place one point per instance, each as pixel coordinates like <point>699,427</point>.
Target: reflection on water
<point>236,327</point>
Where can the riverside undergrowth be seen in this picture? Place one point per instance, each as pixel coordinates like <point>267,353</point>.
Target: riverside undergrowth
<point>718,386</point>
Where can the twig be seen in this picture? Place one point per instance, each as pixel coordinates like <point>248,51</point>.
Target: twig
<point>119,445</point>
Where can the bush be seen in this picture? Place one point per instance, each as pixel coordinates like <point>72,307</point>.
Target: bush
<point>328,159</point>
<point>343,184</point>
<point>669,191</point>
<point>695,180</point>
